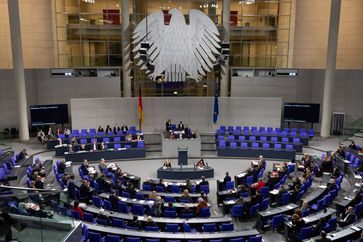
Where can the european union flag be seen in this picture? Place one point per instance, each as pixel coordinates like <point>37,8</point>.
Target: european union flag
<point>216,108</point>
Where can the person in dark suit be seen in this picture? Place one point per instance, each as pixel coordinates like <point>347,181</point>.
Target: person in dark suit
<point>203,182</point>
<point>187,132</point>
<point>181,126</point>
<point>227,178</point>
<point>168,125</point>
<point>71,187</point>
<point>124,129</point>
<point>84,167</point>
<point>22,155</point>
<point>352,146</point>
<point>100,129</point>
<point>297,222</point>
<point>38,183</point>
<point>135,223</point>
<point>282,191</point>
<point>61,167</point>
<point>114,200</point>
<point>349,217</point>
<point>102,146</point>
<point>85,192</point>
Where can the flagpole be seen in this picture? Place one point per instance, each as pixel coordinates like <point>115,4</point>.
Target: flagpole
<point>140,128</point>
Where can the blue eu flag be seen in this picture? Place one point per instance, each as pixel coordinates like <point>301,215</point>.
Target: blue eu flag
<point>216,108</point>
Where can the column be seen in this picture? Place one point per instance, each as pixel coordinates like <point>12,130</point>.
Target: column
<point>329,81</point>
<point>126,79</point>
<point>224,81</point>
<point>18,68</point>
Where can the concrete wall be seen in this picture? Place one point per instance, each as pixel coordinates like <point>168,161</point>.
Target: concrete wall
<point>307,87</point>
<point>42,89</point>
<point>196,112</point>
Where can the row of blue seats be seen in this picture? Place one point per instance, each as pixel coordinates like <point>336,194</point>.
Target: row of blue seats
<point>258,138</point>
<point>175,188</point>
<point>261,129</point>
<point>76,133</point>
<point>354,160</point>
<point>7,166</point>
<point>256,132</point>
<point>254,145</point>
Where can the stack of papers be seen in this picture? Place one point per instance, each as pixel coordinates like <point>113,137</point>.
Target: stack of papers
<point>323,186</point>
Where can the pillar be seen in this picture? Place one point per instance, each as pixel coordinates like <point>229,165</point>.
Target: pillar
<point>224,81</point>
<point>126,79</point>
<point>329,81</point>
<point>212,11</point>
<point>18,68</point>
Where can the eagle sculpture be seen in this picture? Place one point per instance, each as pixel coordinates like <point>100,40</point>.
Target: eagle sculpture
<point>179,50</point>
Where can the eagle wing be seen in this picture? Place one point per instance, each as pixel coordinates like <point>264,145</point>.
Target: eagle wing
<point>205,40</point>
<point>150,30</point>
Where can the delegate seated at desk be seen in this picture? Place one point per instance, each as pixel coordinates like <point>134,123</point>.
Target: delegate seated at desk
<point>348,218</point>
<point>124,129</point>
<point>168,125</point>
<point>181,126</point>
<point>200,164</point>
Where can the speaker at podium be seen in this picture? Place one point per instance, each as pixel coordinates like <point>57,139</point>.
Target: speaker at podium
<point>183,156</point>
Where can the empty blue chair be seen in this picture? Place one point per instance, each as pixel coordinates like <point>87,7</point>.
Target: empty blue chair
<point>233,145</point>
<point>100,133</point>
<point>270,130</point>
<point>230,129</point>
<point>139,196</point>
<point>244,145</point>
<point>61,136</point>
<point>222,143</point>
<point>303,135</point>
<point>170,214</point>
<point>241,138</point>
<point>229,185</point>
<point>288,147</point>
<point>254,209</point>
<point>264,191</point>
<point>222,127</point>
<point>131,239</point>
<point>173,240</point>
<point>175,189</point>
<point>137,209</point>
<point>286,198</point>
<point>97,201</point>
<point>249,180</point>
<point>264,204</point>
<point>147,187</point>
<point>227,227</point>
<point>220,137</point>
<point>274,139</point>
<point>118,223</point>
<point>204,213</point>
<point>122,207</point>
<point>116,139</point>
<point>204,188</point>
<point>277,221</point>
<point>285,140</point>
<point>159,188</point>
<point>83,141</point>
<point>296,140</point>
<point>88,217</point>
<point>112,238</point>
<point>263,138</point>
<point>94,237</point>
<point>255,145</point>
<point>266,146</point>
<point>293,134</point>
<point>140,144</point>
<point>237,211</point>
<point>237,240</point>
<point>117,146</point>
<point>101,221</point>
<point>252,138</point>
<point>107,204</point>
<point>257,238</point>
<point>210,227</point>
<point>305,233</point>
<point>168,199</point>
<point>152,228</point>
<point>172,228</point>
<point>253,128</point>
<point>230,137</point>
<point>125,194</point>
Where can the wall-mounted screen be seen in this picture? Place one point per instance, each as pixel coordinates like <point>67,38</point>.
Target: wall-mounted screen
<point>301,112</point>
<point>48,114</point>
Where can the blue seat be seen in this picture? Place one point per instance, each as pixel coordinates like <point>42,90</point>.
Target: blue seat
<point>175,189</point>
<point>274,139</point>
<point>169,199</point>
<point>139,196</point>
<point>277,221</point>
<point>289,147</point>
<point>172,228</point>
<point>241,138</point>
<point>237,211</point>
<point>210,227</point>
<point>159,188</point>
<point>264,191</point>
<point>255,145</point>
<point>152,228</point>
<point>286,198</point>
<point>94,237</point>
<point>97,201</point>
<point>170,214</point>
<point>266,146</point>
<point>140,144</point>
<point>152,240</point>
<point>222,143</point>
<point>244,145</point>
<point>112,238</point>
<point>119,223</point>
<point>88,217</point>
<point>285,140</point>
<point>117,146</point>
<point>230,137</point>
<point>229,185</point>
<point>305,233</point>
<point>220,137</point>
<point>122,207</point>
<point>84,233</point>
<point>125,194</point>
<point>240,239</point>
<point>173,240</point>
<point>204,213</point>
<point>233,145</point>
<point>264,204</point>
<point>252,138</point>
<point>116,139</point>
<point>296,140</point>
<point>263,138</point>
<point>249,180</point>
<point>204,188</point>
<point>227,227</point>
<point>76,215</point>
<point>137,209</point>
<point>147,187</point>
<point>257,238</point>
<point>132,239</point>
<point>101,221</point>
<point>254,209</point>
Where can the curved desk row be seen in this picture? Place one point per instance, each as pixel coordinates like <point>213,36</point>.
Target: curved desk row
<point>166,194</point>
<point>182,173</point>
<point>267,153</point>
<point>106,154</point>
<point>171,236</point>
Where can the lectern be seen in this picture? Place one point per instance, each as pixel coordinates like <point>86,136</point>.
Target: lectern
<point>183,156</point>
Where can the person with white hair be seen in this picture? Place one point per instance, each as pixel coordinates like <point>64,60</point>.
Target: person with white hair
<point>103,216</point>
<point>201,204</point>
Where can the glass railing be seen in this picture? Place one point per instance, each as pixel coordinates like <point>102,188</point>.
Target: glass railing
<point>36,215</point>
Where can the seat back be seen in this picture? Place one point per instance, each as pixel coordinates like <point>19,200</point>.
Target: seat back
<point>112,238</point>
<point>209,227</point>
<point>204,213</point>
<point>172,228</point>
<point>227,227</point>
<point>94,237</point>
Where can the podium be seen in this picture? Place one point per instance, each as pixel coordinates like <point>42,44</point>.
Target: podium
<point>183,156</point>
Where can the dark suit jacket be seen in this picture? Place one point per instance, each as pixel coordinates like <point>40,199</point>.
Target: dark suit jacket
<point>180,126</point>
<point>114,201</point>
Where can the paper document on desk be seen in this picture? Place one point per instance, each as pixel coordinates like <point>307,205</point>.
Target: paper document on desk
<point>230,202</point>
<point>274,192</point>
<point>289,207</point>
<point>348,198</point>
<point>323,186</point>
<point>124,199</point>
<point>355,228</point>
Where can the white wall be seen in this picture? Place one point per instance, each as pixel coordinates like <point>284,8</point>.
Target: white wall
<point>43,89</point>
<point>307,87</point>
<point>197,112</point>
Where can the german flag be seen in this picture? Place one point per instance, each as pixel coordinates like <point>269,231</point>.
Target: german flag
<point>140,110</point>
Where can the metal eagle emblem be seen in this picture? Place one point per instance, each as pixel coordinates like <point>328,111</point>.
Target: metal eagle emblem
<point>179,50</point>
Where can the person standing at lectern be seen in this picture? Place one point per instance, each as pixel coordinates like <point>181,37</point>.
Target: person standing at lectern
<point>168,125</point>
<point>167,164</point>
<point>181,126</point>
<point>200,164</point>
